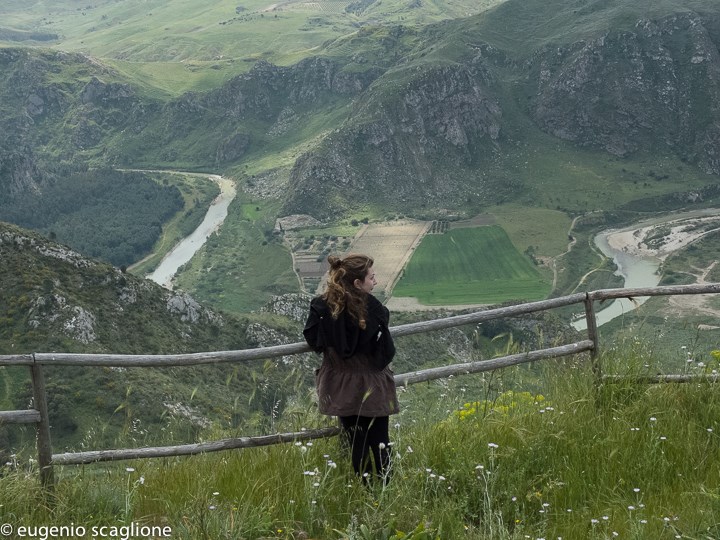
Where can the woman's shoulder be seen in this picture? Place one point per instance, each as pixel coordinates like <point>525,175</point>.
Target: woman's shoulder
<point>374,304</point>
<point>319,304</point>
<point>318,301</point>
<point>377,308</point>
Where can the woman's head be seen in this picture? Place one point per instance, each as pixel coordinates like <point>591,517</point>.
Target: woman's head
<point>350,272</point>
<point>350,279</point>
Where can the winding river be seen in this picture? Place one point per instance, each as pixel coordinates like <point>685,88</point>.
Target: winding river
<point>638,270</point>
<point>188,246</point>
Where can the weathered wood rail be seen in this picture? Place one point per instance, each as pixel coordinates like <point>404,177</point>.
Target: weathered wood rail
<point>39,414</point>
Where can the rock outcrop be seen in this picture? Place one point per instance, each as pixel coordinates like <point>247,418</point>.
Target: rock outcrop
<point>87,301</point>
<point>399,140</point>
<point>655,88</point>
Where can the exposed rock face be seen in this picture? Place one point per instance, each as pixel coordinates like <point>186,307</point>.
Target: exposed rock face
<point>267,89</point>
<point>99,92</point>
<point>18,240</point>
<point>80,325</point>
<point>267,95</point>
<point>294,306</point>
<point>19,172</point>
<point>285,120</point>
<point>186,411</point>
<point>66,113</point>
<point>296,221</point>
<point>79,298</point>
<point>658,85</point>
<point>233,148</point>
<point>183,305</point>
<point>394,141</point>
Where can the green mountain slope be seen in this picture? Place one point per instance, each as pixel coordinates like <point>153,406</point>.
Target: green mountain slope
<point>438,117</point>
<point>445,127</point>
<point>184,45</point>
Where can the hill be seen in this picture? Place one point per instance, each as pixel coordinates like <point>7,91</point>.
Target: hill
<point>54,299</point>
<point>195,46</point>
<point>463,120</point>
<point>440,116</point>
<point>570,459</point>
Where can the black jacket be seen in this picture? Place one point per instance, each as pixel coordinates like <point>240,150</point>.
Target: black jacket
<point>346,337</point>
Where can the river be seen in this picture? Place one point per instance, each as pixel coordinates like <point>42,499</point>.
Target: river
<point>188,246</point>
<point>636,271</point>
<point>639,268</point>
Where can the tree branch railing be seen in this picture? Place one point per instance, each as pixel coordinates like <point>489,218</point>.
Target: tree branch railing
<point>39,415</point>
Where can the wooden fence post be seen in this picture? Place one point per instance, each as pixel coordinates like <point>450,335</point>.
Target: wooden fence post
<point>593,336</point>
<point>44,446</point>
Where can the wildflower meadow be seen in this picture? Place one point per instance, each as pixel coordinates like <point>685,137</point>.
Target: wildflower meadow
<point>566,457</point>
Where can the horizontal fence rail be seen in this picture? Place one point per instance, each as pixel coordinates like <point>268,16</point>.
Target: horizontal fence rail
<point>216,357</point>
<point>82,458</point>
<point>27,416</point>
<point>36,361</point>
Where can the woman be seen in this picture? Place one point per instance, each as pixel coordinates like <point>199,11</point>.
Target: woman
<point>349,326</point>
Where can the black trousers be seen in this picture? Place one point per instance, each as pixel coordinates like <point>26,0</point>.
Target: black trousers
<point>366,437</point>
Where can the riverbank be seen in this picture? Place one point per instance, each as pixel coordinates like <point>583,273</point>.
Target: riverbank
<point>184,250</point>
<point>659,240</point>
<point>640,250</point>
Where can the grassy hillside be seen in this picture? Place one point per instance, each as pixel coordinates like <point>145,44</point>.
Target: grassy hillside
<point>190,45</point>
<point>567,459</point>
<point>244,265</point>
<point>520,28</point>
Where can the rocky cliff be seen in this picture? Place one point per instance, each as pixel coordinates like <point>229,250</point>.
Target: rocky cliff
<point>270,98</point>
<point>426,134</point>
<point>19,172</point>
<point>398,139</point>
<point>70,103</point>
<point>656,87</point>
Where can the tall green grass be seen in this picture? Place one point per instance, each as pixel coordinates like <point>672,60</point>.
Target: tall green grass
<point>570,459</point>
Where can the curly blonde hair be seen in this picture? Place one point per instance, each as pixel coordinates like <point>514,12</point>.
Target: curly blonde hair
<point>341,293</point>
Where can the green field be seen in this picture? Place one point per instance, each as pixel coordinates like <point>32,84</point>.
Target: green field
<point>470,266</point>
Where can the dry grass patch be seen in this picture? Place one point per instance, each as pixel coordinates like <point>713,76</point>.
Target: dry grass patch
<point>391,245</point>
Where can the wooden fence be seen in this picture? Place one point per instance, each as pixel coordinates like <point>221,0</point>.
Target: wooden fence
<point>39,414</point>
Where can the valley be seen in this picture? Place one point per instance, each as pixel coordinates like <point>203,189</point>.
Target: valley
<point>174,174</point>
<point>640,250</point>
<point>475,149</point>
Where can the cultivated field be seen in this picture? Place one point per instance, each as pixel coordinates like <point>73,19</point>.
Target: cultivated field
<point>470,266</point>
<point>391,245</point>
